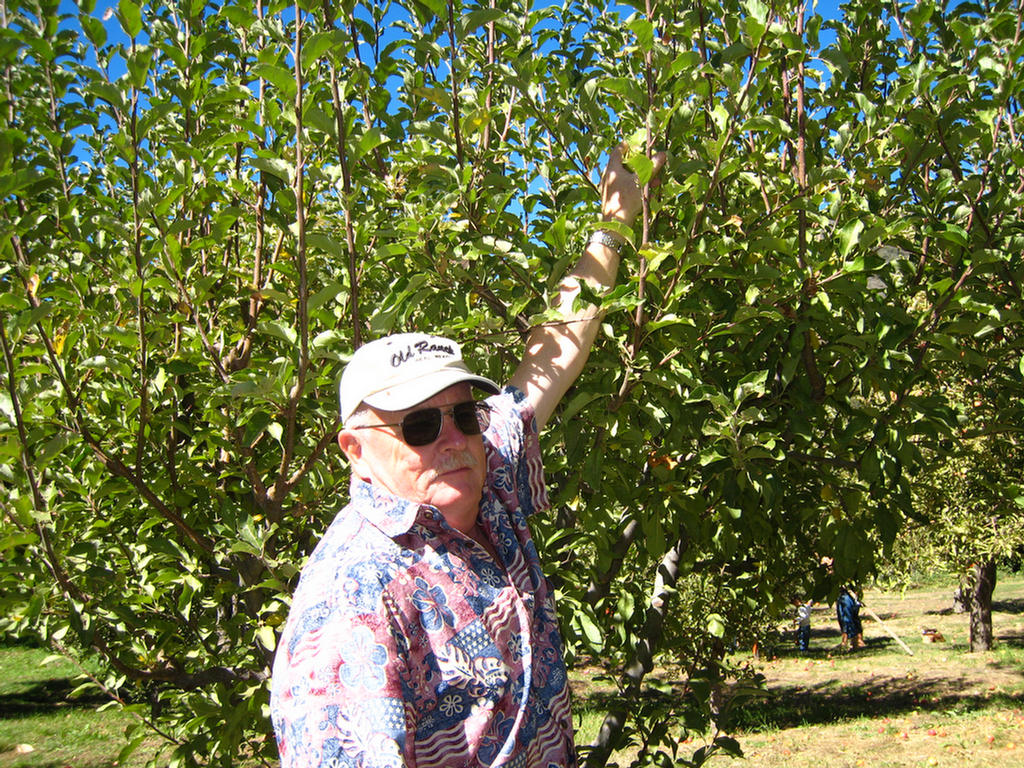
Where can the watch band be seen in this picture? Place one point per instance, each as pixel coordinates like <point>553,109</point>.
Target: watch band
<point>604,238</point>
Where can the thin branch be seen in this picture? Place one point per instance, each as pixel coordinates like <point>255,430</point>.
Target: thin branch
<point>302,300</point>
<point>452,63</point>
<point>598,587</point>
<point>140,299</point>
<point>28,462</point>
<point>801,145</point>
<point>346,186</point>
<point>113,695</point>
<point>313,459</point>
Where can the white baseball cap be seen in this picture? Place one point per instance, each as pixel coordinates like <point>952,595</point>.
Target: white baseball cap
<point>398,371</point>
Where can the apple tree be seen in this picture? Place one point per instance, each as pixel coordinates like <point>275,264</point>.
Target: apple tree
<point>206,206</point>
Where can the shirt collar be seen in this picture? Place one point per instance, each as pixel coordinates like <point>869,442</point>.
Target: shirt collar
<point>392,514</point>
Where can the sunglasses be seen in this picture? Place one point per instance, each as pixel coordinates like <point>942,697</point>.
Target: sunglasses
<point>423,427</point>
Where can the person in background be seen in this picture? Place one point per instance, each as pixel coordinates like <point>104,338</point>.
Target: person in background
<point>803,623</point>
<point>423,631</point>
<point>848,614</point>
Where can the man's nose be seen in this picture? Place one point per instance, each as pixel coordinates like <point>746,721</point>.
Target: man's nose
<point>450,434</point>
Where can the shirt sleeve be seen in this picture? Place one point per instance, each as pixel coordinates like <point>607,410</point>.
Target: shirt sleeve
<point>513,453</point>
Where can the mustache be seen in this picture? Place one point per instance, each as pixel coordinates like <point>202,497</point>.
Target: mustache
<point>453,461</point>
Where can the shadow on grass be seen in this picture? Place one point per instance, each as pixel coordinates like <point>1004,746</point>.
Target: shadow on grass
<point>824,703</point>
<point>830,701</point>
<point>45,696</point>
<point>34,762</point>
<point>1010,639</point>
<point>825,640</point>
<point>825,643</point>
<point>1013,605</point>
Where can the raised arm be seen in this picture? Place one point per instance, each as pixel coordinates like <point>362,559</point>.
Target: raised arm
<point>556,353</point>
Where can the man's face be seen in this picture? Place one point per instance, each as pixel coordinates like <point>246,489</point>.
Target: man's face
<point>448,473</point>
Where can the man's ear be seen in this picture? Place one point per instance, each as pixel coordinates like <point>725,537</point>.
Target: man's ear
<point>352,447</point>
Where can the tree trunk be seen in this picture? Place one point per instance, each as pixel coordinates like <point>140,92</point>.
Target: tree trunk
<point>981,606</point>
<point>961,599</point>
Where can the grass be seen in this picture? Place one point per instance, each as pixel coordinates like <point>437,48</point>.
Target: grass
<point>880,706</point>
<point>43,726</point>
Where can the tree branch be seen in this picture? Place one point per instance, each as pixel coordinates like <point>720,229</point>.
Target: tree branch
<point>649,638</point>
<point>346,203</point>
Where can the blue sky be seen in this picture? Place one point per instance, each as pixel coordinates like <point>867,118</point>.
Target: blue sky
<point>828,9</point>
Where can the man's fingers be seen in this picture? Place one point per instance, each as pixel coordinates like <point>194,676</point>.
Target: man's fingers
<point>659,163</point>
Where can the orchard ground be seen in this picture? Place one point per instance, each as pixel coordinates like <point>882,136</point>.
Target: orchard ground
<point>878,707</point>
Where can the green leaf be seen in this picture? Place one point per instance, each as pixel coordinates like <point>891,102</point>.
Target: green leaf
<point>954,234</point>
<point>435,8</point>
<point>51,448</point>
<point>131,747</point>
<point>734,52</point>
<point>642,166</point>
<point>328,244</point>
<point>849,237</point>
<point>93,29</point>
<point>369,141</point>
<point>281,78</point>
<point>870,470</point>
<point>729,745</point>
<point>11,183</point>
<point>238,16</point>
<point>625,87</point>
<point>329,292</point>
<point>130,16</point>
<point>275,166</point>
<point>318,44</point>
<point>108,92</point>
<point>279,330</point>
<point>138,64</point>
<point>267,637</point>
<point>753,384</point>
<point>644,32</point>
<point>591,631</point>
<point>17,539</point>
<point>480,17</point>
<point>716,625</point>
<point>767,123</point>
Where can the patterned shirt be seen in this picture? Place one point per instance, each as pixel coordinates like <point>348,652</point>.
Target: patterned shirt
<point>408,645</point>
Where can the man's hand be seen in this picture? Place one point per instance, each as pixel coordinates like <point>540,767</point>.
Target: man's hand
<point>621,196</point>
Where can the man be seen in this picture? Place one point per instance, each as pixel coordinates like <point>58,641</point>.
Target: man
<point>423,631</point>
